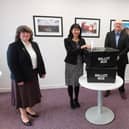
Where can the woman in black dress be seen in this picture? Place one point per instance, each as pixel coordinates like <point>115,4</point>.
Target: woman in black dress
<point>25,63</point>
<point>75,46</point>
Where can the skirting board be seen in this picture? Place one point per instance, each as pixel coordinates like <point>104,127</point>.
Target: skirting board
<point>2,90</point>
<point>55,86</point>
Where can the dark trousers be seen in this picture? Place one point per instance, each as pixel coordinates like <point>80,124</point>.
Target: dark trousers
<point>72,90</point>
<point>121,73</point>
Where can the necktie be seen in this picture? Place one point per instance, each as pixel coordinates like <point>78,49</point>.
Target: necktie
<point>117,38</point>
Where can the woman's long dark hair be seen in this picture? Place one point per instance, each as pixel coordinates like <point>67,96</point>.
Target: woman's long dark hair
<point>23,28</point>
<point>77,26</point>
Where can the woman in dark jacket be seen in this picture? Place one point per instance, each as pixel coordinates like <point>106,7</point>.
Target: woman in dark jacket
<point>75,46</point>
<point>25,63</point>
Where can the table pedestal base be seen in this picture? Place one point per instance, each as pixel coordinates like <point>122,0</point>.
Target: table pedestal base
<point>93,116</point>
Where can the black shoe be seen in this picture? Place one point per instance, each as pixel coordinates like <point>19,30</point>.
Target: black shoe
<point>72,104</point>
<point>77,104</point>
<point>107,93</point>
<point>29,123</point>
<point>32,115</point>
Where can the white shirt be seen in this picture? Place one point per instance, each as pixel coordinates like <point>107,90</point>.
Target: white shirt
<point>32,54</point>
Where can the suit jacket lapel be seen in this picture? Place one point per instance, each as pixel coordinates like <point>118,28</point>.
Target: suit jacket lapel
<point>114,40</point>
<point>21,45</point>
<point>35,49</point>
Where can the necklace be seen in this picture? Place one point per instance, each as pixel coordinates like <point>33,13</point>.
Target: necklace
<point>75,40</point>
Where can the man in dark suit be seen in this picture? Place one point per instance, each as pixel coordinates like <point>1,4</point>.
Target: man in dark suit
<point>119,40</point>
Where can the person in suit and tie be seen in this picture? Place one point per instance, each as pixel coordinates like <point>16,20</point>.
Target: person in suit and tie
<point>25,63</point>
<point>119,40</point>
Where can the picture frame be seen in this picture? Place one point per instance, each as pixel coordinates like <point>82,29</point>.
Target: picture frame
<point>90,27</point>
<point>124,22</point>
<point>48,26</point>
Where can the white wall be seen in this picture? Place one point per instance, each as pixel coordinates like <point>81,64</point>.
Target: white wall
<point>17,12</point>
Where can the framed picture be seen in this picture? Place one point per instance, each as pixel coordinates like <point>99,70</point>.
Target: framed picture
<point>48,26</point>
<point>124,22</point>
<point>90,27</point>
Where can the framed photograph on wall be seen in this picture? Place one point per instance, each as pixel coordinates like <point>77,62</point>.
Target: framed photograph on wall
<point>124,22</point>
<point>48,26</point>
<point>90,27</point>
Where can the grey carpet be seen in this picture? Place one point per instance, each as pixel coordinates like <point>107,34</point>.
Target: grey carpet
<point>55,112</point>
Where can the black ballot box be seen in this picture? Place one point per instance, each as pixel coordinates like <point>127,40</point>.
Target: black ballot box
<point>101,64</point>
<point>101,57</point>
<point>97,74</point>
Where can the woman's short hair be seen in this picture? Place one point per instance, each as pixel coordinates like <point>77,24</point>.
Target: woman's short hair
<point>77,26</point>
<point>23,28</point>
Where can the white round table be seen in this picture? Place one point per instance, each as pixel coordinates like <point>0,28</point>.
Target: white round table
<point>100,114</point>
